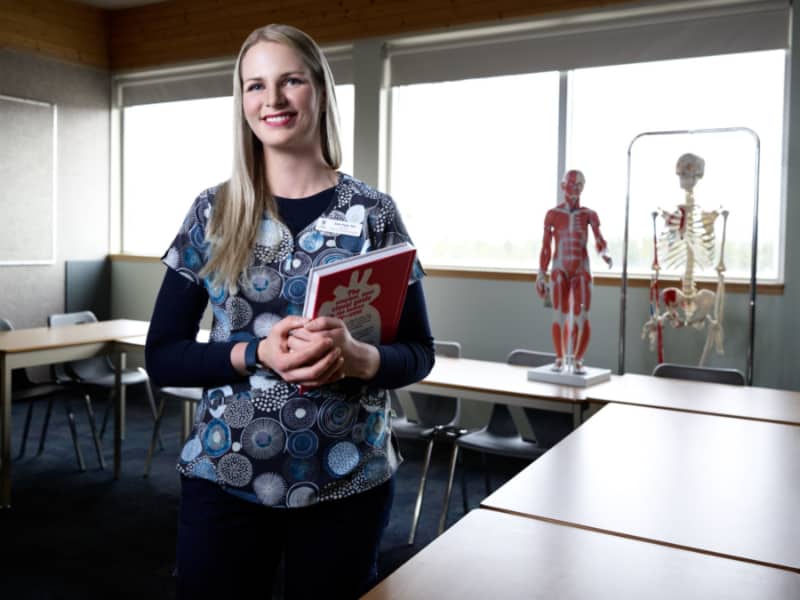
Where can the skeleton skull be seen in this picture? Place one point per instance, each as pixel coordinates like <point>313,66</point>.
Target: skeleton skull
<point>689,169</point>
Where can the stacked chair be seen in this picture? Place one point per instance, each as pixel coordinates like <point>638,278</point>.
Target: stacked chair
<point>429,418</point>
<point>24,389</point>
<point>190,397</point>
<point>97,373</point>
<point>708,374</point>
<point>502,437</point>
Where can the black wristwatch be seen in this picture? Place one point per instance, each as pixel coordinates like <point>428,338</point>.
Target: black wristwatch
<point>251,356</point>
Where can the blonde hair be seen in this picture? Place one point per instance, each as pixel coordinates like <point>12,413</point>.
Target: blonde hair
<point>242,200</point>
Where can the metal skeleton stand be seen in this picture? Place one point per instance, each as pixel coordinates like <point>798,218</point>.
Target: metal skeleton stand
<point>754,249</point>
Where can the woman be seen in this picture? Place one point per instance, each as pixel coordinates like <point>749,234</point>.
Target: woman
<point>291,456</point>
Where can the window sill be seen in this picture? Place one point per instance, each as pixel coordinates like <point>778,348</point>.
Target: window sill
<point>634,281</point>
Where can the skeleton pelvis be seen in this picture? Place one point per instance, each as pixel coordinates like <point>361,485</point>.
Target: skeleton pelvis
<point>687,309</point>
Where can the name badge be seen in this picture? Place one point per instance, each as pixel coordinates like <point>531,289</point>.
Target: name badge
<point>336,227</point>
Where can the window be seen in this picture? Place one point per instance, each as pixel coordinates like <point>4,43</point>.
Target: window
<point>472,166</point>
<point>483,125</point>
<point>172,151</point>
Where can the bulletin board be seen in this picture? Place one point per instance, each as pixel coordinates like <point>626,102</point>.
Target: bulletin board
<point>28,134</point>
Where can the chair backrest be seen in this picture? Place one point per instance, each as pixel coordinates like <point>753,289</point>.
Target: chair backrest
<point>530,358</point>
<point>709,374</point>
<point>433,409</point>
<point>87,369</point>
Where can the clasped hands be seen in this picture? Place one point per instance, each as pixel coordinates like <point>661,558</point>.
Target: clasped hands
<point>315,352</point>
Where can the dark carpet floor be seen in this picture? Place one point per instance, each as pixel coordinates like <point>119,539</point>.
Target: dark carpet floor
<point>72,534</point>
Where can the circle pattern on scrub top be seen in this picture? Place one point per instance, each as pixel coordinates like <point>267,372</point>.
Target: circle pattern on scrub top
<point>351,243</point>
<point>239,412</point>
<point>262,284</point>
<point>311,241</point>
<point>296,264</point>
<point>355,214</point>
<point>299,413</point>
<point>331,255</point>
<point>191,258</point>
<point>235,470</point>
<point>336,417</point>
<point>198,236</point>
<point>239,312</point>
<point>294,290</point>
<point>270,488</point>
<point>341,458</point>
<point>376,467</point>
<point>301,469</point>
<point>204,469</point>
<point>271,399</point>
<point>303,444</point>
<point>217,438</point>
<point>273,241</point>
<point>263,323</point>
<point>216,294</point>
<point>375,428</point>
<point>300,494</point>
<point>191,450</point>
<point>263,438</point>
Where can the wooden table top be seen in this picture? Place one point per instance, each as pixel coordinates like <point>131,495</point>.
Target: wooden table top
<point>489,554</point>
<point>465,375</point>
<point>723,486</point>
<point>45,338</point>
<point>760,403</point>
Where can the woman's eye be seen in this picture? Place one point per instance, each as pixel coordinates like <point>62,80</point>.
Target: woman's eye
<point>254,86</point>
<point>294,81</point>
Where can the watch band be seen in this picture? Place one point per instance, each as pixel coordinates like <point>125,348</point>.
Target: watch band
<point>251,356</point>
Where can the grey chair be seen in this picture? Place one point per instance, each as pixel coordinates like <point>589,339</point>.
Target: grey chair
<point>190,397</point>
<point>25,389</point>
<point>98,372</point>
<point>709,374</point>
<point>431,418</point>
<point>500,436</point>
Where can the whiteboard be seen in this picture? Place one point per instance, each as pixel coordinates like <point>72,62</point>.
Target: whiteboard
<point>28,138</point>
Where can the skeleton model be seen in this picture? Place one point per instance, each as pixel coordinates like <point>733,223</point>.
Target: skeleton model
<point>687,240</point>
<point>570,277</point>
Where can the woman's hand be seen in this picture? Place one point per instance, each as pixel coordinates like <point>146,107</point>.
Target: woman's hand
<point>358,359</point>
<point>311,363</point>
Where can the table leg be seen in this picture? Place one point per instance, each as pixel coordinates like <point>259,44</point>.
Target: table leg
<point>119,402</point>
<point>5,433</point>
<point>577,414</point>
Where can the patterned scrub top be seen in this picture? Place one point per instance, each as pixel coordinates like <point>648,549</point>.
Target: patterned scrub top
<point>260,438</point>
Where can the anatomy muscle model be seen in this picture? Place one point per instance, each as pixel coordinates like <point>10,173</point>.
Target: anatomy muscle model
<point>566,230</point>
<point>688,241</point>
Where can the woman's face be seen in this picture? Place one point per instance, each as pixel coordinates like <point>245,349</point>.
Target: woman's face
<point>279,99</point>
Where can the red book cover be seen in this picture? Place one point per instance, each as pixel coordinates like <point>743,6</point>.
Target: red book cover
<point>367,291</point>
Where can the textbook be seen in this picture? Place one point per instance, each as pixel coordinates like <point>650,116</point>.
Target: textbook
<point>366,291</point>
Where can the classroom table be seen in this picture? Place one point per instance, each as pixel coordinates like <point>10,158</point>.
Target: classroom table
<point>487,381</point>
<point>745,402</point>
<point>721,486</point>
<point>490,554</point>
<point>22,348</point>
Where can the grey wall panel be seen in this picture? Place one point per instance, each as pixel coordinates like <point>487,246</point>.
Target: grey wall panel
<point>29,293</point>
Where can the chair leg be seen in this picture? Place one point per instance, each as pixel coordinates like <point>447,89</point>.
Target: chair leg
<point>45,424</point>
<point>151,448</point>
<point>106,412</point>
<point>26,428</point>
<point>464,503</point>
<point>153,408</point>
<point>486,474</point>
<point>98,448</point>
<point>448,491</point>
<point>74,432</point>
<point>418,504</point>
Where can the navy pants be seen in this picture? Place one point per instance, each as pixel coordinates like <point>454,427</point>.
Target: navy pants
<point>230,548</point>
